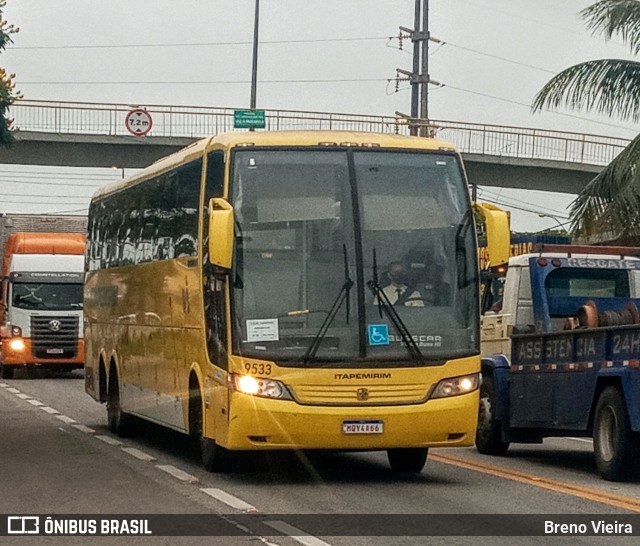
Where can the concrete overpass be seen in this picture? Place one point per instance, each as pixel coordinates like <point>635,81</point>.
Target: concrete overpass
<point>96,135</point>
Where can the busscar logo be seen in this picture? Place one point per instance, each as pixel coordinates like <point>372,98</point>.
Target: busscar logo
<point>23,525</point>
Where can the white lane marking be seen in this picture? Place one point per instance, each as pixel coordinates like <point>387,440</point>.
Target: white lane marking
<point>587,440</point>
<point>50,411</point>
<point>296,534</point>
<point>13,390</point>
<point>23,396</point>
<point>83,428</point>
<point>66,419</point>
<point>109,440</point>
<point>35,402</point>
<point>228,499</point>
<point>177,473</point>
<point>246,530</point>
<point>138,454</point>
<point>4,385</point>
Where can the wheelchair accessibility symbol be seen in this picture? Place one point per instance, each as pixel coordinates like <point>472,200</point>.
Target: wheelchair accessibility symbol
<point>378,334</point>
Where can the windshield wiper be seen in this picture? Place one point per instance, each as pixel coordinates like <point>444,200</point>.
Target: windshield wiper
<point>337,303</point>
<point>384,304</point>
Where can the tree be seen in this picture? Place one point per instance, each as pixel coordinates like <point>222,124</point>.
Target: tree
<point>7,86</point>
<point>609,205</point>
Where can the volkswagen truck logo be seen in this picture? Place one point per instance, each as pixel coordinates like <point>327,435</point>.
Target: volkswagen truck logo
<point>363,394</point>
<point>55,325</point>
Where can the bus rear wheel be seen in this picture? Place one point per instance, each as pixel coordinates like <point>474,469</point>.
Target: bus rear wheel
<point>407,460</point>
<point>119,422</point>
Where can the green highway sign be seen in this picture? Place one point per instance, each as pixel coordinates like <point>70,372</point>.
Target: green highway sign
<point>248,119</point>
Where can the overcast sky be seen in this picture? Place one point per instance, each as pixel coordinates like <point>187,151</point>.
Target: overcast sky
<point>329,55</point>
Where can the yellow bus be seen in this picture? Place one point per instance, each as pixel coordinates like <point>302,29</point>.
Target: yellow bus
<point>239,291</point>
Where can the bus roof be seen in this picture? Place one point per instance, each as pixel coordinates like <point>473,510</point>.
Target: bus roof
<point>277,138</point>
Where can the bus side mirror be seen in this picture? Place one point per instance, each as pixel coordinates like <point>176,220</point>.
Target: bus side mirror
<point>221,222</point>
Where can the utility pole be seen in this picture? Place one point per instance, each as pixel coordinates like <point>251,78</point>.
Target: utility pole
<point>419,76</point>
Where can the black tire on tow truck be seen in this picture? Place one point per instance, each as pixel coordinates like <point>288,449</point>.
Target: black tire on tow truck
<point>615,446</point>
<point>6,372</point>
<point>489,433</point>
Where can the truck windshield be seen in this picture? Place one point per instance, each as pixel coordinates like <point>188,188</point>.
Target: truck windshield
<point>47,296</point>
<point>308,223</point>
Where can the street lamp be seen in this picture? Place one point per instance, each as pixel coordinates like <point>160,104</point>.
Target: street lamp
<point>254,67</point>
<point>561,225</point>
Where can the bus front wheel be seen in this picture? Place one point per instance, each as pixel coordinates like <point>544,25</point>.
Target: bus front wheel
<point>407,460</point>
<point>214,457</point>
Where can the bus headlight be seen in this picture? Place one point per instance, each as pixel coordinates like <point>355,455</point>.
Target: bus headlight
<point>454,386</point>
<point>17,344</point>
<point>257,386</point>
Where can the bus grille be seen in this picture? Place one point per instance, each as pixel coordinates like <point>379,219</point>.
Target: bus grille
<point>54,337</point>
<point>379,395</point>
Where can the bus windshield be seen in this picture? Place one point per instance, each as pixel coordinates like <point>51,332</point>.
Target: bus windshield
<point>329,239</point>
<point>47,296</point>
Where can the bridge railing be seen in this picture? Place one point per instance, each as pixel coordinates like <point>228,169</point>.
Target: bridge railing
<point>194,122</point>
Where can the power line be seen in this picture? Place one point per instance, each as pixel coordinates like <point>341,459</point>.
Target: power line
<point>565,114</point>
<point>497,57</point>
<point>203,82</point>
<point>200,44</point>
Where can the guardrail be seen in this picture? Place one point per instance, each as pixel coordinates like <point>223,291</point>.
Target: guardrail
<point>194,121</point>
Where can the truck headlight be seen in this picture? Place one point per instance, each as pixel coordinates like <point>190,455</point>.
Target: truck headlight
<point>257,386</point>
<point>455,386</point>
<point>17,344</point>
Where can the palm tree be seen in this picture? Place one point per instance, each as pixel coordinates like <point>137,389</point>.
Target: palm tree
<point>610,203</point>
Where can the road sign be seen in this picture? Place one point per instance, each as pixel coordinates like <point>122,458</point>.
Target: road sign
<point>138,122</point>
<point>247,119</point>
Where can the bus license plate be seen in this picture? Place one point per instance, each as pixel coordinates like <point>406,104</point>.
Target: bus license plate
<point>362,427</point>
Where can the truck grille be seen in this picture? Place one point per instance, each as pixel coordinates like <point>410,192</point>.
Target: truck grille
<point>54,337</point>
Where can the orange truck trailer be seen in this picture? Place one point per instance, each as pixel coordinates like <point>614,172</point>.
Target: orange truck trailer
<point>41,301</point>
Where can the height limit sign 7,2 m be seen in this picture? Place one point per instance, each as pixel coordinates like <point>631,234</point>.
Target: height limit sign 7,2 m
<point>138,122</point>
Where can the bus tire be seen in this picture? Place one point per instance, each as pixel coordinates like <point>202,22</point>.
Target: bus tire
<point>489,432</point>
<point>119,422</point>
<point>615,445</point>
<point>215,458</point>
<point>407,460</point>
<point>6,372</point>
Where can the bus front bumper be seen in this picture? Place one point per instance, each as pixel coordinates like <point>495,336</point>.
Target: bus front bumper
<point>259,423</point>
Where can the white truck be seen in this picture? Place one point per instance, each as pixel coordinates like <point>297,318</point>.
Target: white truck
<point>41,301</point>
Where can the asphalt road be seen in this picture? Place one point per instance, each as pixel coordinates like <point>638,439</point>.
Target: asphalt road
<point>57,457</point>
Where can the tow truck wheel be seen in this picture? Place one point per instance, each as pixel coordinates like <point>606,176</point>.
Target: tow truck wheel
<point>6,372</point>
<point>615,445</point>
<point>119,422</point>
<point>489,434</point>
<point>407,460</point>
